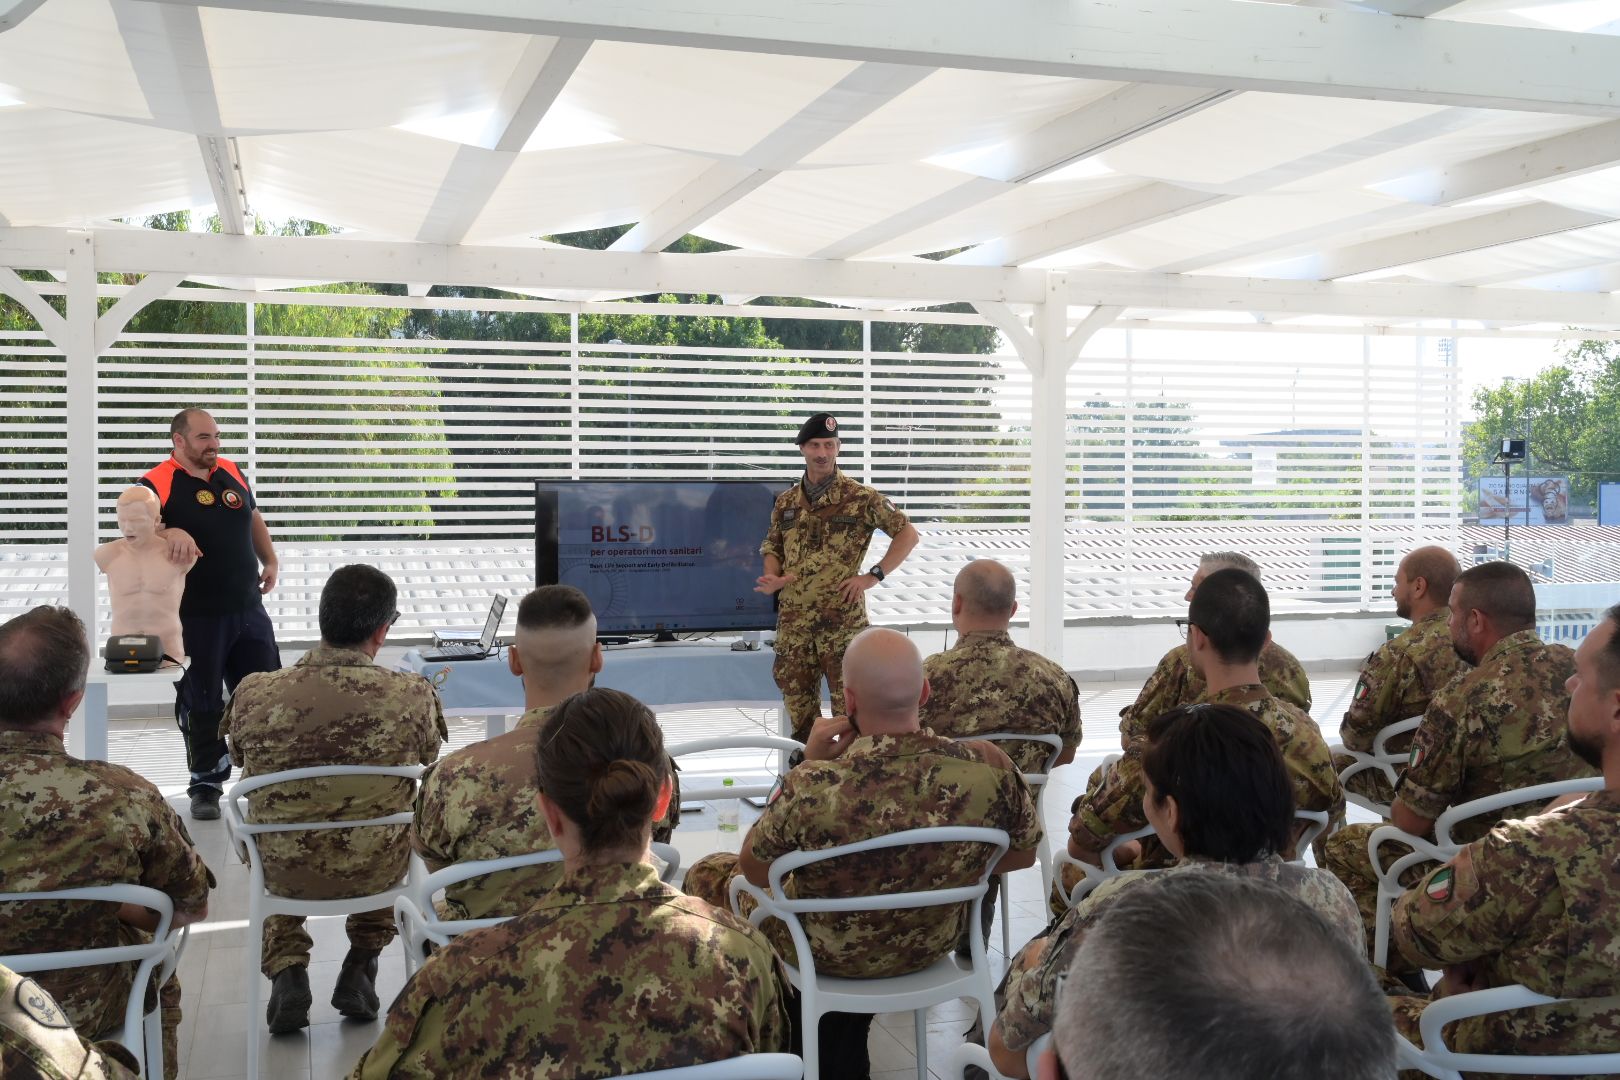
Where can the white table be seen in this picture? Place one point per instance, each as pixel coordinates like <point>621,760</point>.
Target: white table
<point>87,732</point>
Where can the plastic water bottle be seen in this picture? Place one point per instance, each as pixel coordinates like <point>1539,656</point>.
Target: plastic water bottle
<point>728,812</point>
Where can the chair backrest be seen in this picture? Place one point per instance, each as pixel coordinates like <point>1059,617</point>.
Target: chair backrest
<point>1447,1010</point>
<point>994,839</point>
<point>1053,741</point>
<point>150,956</point>
<point>244,832</point>
<point>731,742</point>
<point>1315,823</point>
<point>747,1067</point>
<point>1537,793</point>
<point>1381,759</point>
<point>1091,875</point>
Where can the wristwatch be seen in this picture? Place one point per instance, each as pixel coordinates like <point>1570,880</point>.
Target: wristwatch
<point>877,572</point>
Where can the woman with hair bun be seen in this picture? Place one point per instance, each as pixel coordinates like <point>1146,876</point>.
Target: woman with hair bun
<point>612,972</point>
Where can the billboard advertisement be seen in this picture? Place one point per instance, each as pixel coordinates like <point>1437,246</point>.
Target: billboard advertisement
<point>1545,497</point>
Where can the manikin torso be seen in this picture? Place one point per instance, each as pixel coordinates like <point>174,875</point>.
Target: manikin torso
<point>143,583</point>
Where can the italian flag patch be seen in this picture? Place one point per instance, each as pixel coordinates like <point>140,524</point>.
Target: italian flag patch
<point>1361,689</point>
<point>1439,887</point>
<point>1414,757</point>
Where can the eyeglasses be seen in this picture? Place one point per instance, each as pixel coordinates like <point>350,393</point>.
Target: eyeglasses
<point>393,619</point>
<point>1181,627</point>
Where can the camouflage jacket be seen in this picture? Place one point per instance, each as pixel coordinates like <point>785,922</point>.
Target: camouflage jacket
<point>1175,682</point>
<point>985,684</point>
<point>37,1041</point>
<point>479,803</point>
<point>1498,727</point>
<point>333,707</point>
<point>1029,992</point>
<point>1114,805</point>
<point>69,824</point>
<point>886,784</point>
<point>1398,680</point>
<point>613,972</point>
<point>823,543</point>
<point>1536,901</point>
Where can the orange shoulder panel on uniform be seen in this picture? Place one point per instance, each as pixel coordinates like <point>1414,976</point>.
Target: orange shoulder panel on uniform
<point>230,467</point>
<point>161,478</point>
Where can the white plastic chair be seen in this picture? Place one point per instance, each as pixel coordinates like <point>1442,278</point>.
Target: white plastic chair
<point>1380,758</point>
<point>731,742</point>
<point>1438,1060</point>
<point>1036,782</point>
<point>262,902</point>
<point>1443,847</point>
<point>945,980</point>
<point>747,1067</point>
<point>141,1035</point>
<point>973,1054</point>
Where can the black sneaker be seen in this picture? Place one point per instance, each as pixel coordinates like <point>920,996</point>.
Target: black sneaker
<point>355,995</point>
<point>290,1000</point>
<point>205,804</point>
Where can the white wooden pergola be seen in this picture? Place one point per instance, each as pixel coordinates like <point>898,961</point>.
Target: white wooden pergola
<point>1400,167</point>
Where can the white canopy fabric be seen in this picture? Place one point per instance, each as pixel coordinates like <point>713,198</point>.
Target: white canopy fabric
<point>406,131</point>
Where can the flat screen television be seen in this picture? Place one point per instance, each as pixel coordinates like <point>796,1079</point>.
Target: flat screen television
<point>658,557</point>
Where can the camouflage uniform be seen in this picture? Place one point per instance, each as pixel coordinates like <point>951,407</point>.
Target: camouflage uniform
<point>882,784</point>
<point>985,684</point>
<point>823,543</point>
<point>70,824</point>
<point>1537,902</point>
<point>1112,804</point>
<point>1498,727</point>
<point>479,803</point>
<point>37,1041</point>
<point>1175,682</point>
<point>333,707</point>
<point>1397,682</point>
<point>1025,998</point>
<point>613,972</point>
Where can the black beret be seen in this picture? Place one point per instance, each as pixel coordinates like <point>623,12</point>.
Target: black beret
<point>820,426</point>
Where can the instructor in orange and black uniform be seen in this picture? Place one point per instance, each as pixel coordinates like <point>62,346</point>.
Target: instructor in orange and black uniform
<point>227,631</point>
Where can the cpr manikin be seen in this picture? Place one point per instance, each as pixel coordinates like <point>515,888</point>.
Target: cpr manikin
<point>144,582</point>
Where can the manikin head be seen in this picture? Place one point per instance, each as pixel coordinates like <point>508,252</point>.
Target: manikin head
<point>139,513</point>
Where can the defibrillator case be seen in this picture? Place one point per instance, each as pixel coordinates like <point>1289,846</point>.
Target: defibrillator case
<point>134,653</point>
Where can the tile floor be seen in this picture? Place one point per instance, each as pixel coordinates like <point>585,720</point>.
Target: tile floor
<point>214,1033</point>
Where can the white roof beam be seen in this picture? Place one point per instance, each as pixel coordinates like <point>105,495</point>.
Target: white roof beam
<point>1111,121</point>
<point>1421,245</point>
<point>1135,209</point>
<point>169,54</point>
<point>476,171</point>
<point>853,98</point>
<point>339,258</point>
<point>1211,43</point>
<point>1562,156</point>
<point>13,12</point>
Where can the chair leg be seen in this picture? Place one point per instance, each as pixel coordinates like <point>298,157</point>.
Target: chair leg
<point>919,1020</point>
<point>251,960</point>
<point>810,1018</point>
<point>1006,918</point>
<point>152,1060</point>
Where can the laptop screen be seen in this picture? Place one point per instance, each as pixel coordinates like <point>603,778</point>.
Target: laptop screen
<point>492,625</point>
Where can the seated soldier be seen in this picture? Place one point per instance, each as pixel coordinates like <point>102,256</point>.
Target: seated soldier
<point>71,824</point>
<point>1398,680</point>
<point>1535,901</point>
<point>1227,625</point>
<point>875,773</point>
<point>37,1041</point>
<point>478,803</point>
<point>612,972</point>
<point>336,706</point>
<point>1495,728</point>
<point>1177,682</point>
<point>1219,795</point>
<point>1260,986</point>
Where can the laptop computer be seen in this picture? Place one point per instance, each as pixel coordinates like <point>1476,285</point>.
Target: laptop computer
<point>472,650</point>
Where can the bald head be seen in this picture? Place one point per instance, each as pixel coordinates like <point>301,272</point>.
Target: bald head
<point>555,644</point>
<point>883,680</point>
<point>985,597</point>
<point>1423,581</point>
<point>138,513</point>
<point>184,420</point>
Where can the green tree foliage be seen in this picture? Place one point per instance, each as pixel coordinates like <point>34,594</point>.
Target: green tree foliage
<point>1572,411</point>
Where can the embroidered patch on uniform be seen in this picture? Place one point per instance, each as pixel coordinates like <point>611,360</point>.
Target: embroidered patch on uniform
<point>232,500</point>
<point>1414,757</point>
<point>1440,885</point>
<point>39,1007</point>
<point>889,506</point>
<point>789,515</point>
<point>832,423</point>
<point>1361,689</point>
<point>440,676</point>
<point>205,497</point>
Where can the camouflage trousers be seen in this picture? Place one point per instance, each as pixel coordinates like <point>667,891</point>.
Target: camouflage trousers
<point>804,656</point>
<point>287,943</point>
<point>1370,784</point>
<point>95,998</point>
<point>1347,858</point>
